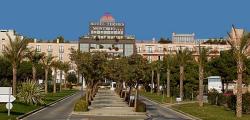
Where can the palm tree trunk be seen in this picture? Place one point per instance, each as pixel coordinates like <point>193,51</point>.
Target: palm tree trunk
<point>152,81</point>
<point>46,81</point>
<point>65,79</point>
<point>158,82</point>
<point>14,70</point>
<point>201,77</point>
<point>168,82</point>
<point>60,80</point>
<point>136,96</point>
<point>181,81</point>
<point>34,72</point>
<point>54,82</point>
<point>239,88</point>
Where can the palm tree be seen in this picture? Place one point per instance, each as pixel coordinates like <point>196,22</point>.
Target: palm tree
<point>202,59</point>
<point>65,68</point>
<point>158,72</point>
<point>183,56</point>
<point>46,63</point>
<point>15,52</point>
<point>239,44</point>
<point>55,64</point>
<point>34,57</point>
<point>152,66</point>
<point>168,60</point>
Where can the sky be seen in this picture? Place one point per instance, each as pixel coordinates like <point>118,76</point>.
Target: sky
<point>146,19</point>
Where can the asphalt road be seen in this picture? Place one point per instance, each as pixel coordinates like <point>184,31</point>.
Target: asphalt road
<point>59,111</point>
<point>157,112</point>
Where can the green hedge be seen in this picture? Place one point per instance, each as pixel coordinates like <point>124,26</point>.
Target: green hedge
<point>229,101</point>
<point>81,105</point>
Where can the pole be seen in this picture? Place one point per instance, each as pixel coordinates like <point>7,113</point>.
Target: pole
<point>9,101</point>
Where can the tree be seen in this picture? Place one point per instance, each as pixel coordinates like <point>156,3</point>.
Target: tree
<point>183,56</point>
<point>152,67</point>
<point>239,44</point>
<point>55,64</point>
<point>158,72</point>
<point>47,63</point>
<point>168,61</point>
<point>202,60</point>
<point>15,52</point>
<point>34,57</point>
<point>138,66</point>
<point>65,67</point>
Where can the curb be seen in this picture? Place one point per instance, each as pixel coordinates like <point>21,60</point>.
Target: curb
<point>171,108</point>
<point>191,116</point>
<point>43,107</point>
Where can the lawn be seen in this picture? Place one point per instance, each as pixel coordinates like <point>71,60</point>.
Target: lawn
<point>20,108</point>
<point>157,98</point>
<point>209,112</point>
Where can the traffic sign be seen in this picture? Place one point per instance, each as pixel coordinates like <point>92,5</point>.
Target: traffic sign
<point>7,98</point>
<point>9,106</point>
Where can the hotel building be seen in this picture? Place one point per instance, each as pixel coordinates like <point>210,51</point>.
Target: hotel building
<point>109,36</point>
<point>4,39</point>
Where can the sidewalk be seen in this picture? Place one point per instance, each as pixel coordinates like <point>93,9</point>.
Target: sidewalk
<point>108,103</point>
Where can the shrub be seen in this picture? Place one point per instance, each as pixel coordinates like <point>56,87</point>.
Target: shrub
<point>30,93</point>
<point>141,106</point>
<point>212,97</point>
<point>246,103</point>
<point>81,105</point>
<point>221,99</point>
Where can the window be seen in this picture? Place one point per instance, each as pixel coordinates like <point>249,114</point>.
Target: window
<point>160,49</point>
<point>3,47</point>
<point>139,49</point>
<point>38,48</point>
<point>60,56</point>
<point>150,50</point>
<point>61,49</point>
<point>149,59</point>
<point>3,38</point>
<point>49,48</point>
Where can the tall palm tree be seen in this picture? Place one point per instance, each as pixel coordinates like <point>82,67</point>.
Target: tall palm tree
<point>34,57</point>
<point>15,52</point>
<point>65,68</point>
<point>239,44</point>
<point>183,56</point>
<point>152,67</point>
<point>168,60</point>
<point>55,64</point>
<point>158,72</point>
<point>46,63</point>
<point>202,59</point>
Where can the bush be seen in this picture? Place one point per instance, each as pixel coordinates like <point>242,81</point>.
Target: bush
<point>246,103</point>
<point>212,97</point>
<point>51,87</point>
<point>81,105</point>
<point>231,102</point>
<point>141,106</point>
<point>30,93</point>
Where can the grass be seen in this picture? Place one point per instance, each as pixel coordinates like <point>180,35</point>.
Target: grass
<point>158,98</point>
<point>21,108</point>
<point>209,112</point>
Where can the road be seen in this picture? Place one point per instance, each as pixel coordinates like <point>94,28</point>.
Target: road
<point>59,111</point>
<point>157,112</point>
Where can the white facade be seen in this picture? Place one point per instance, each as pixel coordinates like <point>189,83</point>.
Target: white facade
<point>4,39</point>
<point>183,38</point>
<point>214,82</point>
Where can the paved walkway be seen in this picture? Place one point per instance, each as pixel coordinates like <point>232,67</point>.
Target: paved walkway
<point>111,107</point>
